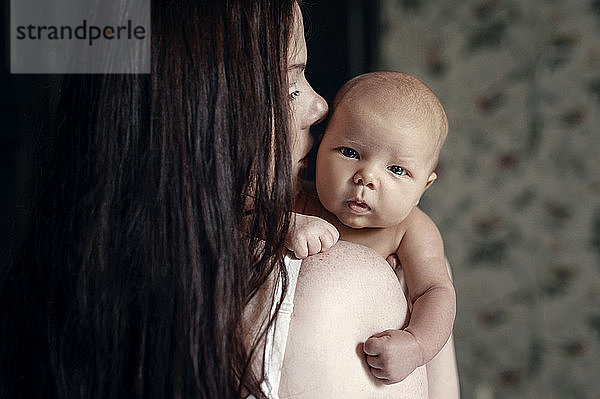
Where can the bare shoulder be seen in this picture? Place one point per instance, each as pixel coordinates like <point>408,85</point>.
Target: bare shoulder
<point>351,280</point>
<point>418,219</point>
<point>343,297</point>
<point>347,263</point>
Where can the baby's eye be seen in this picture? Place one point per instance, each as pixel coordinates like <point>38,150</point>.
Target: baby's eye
<point>397,170</point>
<point>349,152</point>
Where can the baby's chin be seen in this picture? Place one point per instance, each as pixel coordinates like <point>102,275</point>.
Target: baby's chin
<point>357,222</point>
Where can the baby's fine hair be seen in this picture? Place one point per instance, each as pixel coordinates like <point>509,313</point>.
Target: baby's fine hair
<point>403,91</point>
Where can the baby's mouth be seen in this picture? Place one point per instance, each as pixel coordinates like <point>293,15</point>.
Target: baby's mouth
<point>358,207</point>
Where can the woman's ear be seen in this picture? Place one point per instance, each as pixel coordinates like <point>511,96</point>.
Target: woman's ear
<point>430,180</point>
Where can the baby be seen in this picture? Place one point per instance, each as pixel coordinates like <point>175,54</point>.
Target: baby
<point>375,160</point>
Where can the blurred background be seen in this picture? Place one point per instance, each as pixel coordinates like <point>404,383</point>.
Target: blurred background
<point>518,194</point>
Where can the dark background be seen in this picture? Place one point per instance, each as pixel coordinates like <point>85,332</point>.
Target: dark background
<point>341,39</point>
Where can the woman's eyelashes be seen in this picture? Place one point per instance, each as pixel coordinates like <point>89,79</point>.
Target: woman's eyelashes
<point>294,92</point>
<point>348,152</point>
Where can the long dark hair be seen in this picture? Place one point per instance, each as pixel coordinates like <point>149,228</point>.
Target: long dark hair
<point>137,270</point>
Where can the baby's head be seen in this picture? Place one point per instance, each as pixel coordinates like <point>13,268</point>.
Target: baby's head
<point>380,149</point>
<point>400,100</point>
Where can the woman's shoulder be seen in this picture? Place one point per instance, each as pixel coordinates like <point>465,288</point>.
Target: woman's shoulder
<point>347,265</point>
<point>343,296</point>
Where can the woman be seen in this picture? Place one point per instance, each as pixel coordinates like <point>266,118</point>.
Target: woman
<point>164,216</point>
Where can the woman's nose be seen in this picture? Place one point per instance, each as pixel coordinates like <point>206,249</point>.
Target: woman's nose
<point>317,111</point>
<point>365,178</point>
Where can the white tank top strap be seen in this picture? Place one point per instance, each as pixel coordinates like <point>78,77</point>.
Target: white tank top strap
<point>276,339</point>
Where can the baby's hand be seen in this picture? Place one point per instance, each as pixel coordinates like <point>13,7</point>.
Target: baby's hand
<point>392,355</point>
<point>310,235</point>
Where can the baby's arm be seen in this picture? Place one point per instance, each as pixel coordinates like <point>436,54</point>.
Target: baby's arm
<point>394,354</point>
<point>309,235</point>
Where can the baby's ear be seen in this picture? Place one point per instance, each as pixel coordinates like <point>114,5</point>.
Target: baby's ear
<point>430,179</point>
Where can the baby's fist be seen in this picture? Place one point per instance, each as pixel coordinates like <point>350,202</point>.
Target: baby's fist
<point>310,235</point>
<point>392,355</point>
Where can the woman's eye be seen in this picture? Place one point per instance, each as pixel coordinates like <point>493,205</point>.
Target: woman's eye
<point>349,152</point>
<point>397,170</point>
<point>294,92</point>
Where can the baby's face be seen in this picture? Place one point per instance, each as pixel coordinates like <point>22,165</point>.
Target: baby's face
<point>371,170</point>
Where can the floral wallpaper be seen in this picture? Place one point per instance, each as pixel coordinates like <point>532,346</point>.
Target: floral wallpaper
<point>518,195</point>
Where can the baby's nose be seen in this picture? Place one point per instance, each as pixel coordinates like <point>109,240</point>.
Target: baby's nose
<point>365,178</point>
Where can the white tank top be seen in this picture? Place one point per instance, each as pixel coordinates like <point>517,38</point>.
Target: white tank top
<point>278,332</point>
